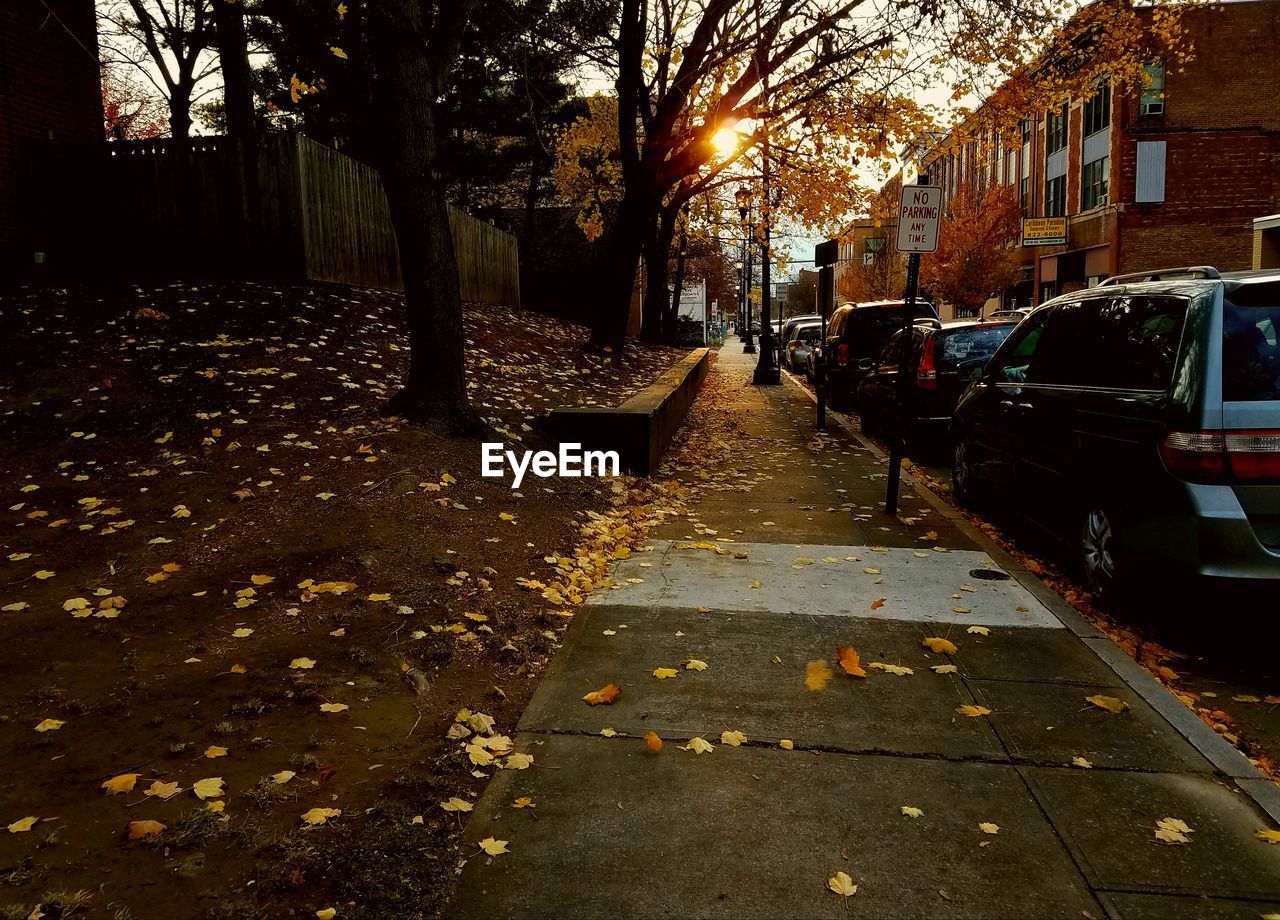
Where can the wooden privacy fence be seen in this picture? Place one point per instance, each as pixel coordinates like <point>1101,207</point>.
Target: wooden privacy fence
<point>298,210</point>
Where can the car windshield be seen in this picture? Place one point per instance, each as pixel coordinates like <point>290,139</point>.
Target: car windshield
<point>1251,343</point>
<point>869,330</point>
<point>968,348</point>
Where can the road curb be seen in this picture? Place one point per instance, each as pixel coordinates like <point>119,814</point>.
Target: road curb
<point>1224,757</point>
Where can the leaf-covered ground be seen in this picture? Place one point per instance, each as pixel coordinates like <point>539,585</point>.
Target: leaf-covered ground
<point>242,612</point>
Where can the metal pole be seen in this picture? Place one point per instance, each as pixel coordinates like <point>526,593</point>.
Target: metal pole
<point>749,348</point>
<point>767,367</point>
<point>896,446</point>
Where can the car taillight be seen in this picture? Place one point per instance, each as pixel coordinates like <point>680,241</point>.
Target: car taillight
<point>927,372</point>
<point>1254,454</point>
<point>842,353</point>
<point>1247,455</point>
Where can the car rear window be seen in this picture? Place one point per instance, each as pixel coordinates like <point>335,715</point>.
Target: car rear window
<point>868,330</point>
<point>1251,343</point>
<point>965,347</point>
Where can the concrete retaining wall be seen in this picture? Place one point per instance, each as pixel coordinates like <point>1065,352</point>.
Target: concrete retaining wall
<point>641,428</point>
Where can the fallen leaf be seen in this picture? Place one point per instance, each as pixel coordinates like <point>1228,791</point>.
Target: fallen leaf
<point>693,664</point>
<point>664,673</point>
<point>816,674</point>
<point>162,791</point>
<point>523,802</point>
<point>698,746</point>
<point>282,777</point>
<point>326,913</point>
<point>494,847</point>
<point>122,783</point>
<point>210,788</point>
<point>895,669</point>
<point>1173,831</point>
<point>978,631</point>
<point>605,695</point>
<point>877,603</point>
<point>1081,763</point>
<point>243,632</point>
<point>22,825</point>
<point>842,885</point>
<point>518,762</point>
<point>334,707</point>
<point>302,664</point>
<point>988,828</point>
<point>849,661</point>
<point>317,816</point>
<point>652,742</point>
<point>50,725</point>
<point>456,804</point>
<point>911,811</point>
<point>733,738</point>
<point>1109,703</point>
<point>140,830</point>
<point>1268,836</point>
<point>944,669</point>
<point>973,712</point>
<point>214,750</point>
<point>939,645</point>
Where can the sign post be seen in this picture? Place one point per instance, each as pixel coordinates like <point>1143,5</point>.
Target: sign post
<point>919,213</point>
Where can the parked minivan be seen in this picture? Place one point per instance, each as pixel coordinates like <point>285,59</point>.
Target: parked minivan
<point>856,335</point>
<point>1140,420</point>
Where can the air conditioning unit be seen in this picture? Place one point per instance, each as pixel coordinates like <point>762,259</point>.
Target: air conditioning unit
<point>1153,108</point>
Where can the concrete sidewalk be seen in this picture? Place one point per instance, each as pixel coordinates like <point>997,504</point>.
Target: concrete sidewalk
<point>756,830</point>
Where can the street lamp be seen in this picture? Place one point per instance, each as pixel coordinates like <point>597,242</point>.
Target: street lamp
<point>743,198</point>
<point>766,371</point>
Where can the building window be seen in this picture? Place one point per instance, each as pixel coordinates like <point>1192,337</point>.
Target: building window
<point>1055,130</point>
<point>1152,101</point>
<point>1024,193</point>
<point>1097,111</point>
<point>1024,127</point>
<point>1149,185</point>
<point>1093,184</point>
<point>1055,197</point>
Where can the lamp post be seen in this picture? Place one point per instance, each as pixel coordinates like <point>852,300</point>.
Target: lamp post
<point>743,198</point>
<point>766,371</point>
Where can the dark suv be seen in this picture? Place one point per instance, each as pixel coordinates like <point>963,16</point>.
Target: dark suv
<point>940,364</point>
<point>1140,419</point>
<point>856,335</point>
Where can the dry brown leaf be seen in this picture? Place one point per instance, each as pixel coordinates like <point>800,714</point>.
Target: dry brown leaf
<point>849,661</point>
<point>605,695</point>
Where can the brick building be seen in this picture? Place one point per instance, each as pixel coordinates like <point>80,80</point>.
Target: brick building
<point>49,91</point>
<point>1173,173</point>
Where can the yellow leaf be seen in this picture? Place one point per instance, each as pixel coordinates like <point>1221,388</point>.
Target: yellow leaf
<point>239,669</point>
<point>304,664</point>
<point>733,738</point>
<point>1173,831</point>
<point>842,885</point>
<point>456,804</point>
<point>22,825</point>
<point>988,828</point>
<point>43,574</point>
<point>787,744</point>
<point>1081,763</point>
<point>978,631</point>
<point>523,802</point>
<point>518,762</point>
<point>122,783</point>
<point>698,746</point>
<point>1109,703</point>
<point>1269,836</point>
<point>664,673</point>
<point>911,811</point>
<point>317,816</point>
<point>972,711</point>
<point>326,913</point>
<point>816,674</point>
<point>243,632</point>
<point>652,742</point>
<point>139,830</point>
<point>50,725</point>
<point>494,847</point>
<point>162,791</point>
<point>939,645</point>
<point>210,788</point>
<point>693,664</point>
<point>214,750</point>
<point>262,579</point>
<point>338,52</point>
<point>216,806</point>
<point>895,669</point>
<point>379,597</point>
<point>334,707</point>
<point>944,669</point>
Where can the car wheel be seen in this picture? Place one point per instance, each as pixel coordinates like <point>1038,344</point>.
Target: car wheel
<point>964,477</point>
<point>1100,554</point>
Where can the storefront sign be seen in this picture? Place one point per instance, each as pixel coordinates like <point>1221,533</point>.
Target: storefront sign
<point>1044,231</point>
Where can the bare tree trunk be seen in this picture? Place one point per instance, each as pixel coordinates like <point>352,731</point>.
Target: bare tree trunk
<point>180,113</point>
<point>233,58</point>
<point>435,387</point>
<point>656,258</point>
<point>618,270</point>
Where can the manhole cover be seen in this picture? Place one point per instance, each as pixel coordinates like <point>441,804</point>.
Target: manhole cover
<point>988,575</point>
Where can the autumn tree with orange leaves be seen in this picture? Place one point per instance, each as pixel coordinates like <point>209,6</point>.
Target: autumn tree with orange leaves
<point>976,257</point>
